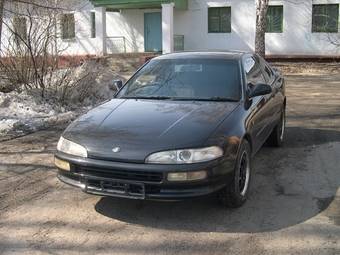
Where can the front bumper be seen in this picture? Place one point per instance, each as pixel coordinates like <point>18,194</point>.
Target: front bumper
<point>143,181</point>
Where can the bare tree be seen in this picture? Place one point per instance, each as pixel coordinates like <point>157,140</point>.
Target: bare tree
<point>28,47</point>
<point>261,20</point>
<point>2,4</point>
<point>1,15</point>
<point>31,50</point>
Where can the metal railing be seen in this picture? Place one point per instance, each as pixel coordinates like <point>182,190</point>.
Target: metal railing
<point>116,44</point>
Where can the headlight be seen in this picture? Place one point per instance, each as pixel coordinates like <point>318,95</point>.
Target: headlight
<point>71,148</point>
<point>185,156</point>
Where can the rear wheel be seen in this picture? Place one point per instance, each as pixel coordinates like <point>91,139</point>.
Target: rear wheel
<point>277,136</point>
<point>236,193</point>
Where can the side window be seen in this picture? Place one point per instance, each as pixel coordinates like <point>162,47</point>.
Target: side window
<point>253,71</point>
<point>267,71</point>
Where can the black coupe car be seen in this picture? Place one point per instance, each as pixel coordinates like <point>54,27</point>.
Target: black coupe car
<point>185,125</point>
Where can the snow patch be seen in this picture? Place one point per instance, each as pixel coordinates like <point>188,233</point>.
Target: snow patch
<point>21,113</point>
<point>27,111</point>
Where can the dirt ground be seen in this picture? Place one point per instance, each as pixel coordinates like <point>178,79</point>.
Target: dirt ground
<point>294,206</point>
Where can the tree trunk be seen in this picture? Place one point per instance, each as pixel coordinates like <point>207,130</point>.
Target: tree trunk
<point>1,17</point>
<point>261,20</point>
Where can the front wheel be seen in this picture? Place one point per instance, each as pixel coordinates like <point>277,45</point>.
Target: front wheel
<point>236,193</point>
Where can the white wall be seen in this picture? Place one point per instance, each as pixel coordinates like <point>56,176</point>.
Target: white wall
<point>127,23</point>
<point>296,39</point>
<point>130,24</point>
<point>193,24</point>
<point>82,44</point>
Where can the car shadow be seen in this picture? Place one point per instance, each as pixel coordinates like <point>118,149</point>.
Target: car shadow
<point>290,185</point>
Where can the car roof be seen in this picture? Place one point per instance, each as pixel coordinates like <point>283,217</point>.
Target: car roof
<point>232,55</point>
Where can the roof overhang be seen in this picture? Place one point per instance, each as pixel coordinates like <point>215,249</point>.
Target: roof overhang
<point>138,4</point>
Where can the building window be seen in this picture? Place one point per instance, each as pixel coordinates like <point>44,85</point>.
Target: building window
<point>219,20</point>
<point>178,43</point>
<point>93,25</point>
<point>325,18</point>
<point>20,29</point>
<point>275,19</point>
<point>68,26</point>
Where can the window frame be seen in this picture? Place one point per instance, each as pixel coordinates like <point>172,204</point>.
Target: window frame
<point>323,29</point>
<point>269,77</point>
<point>258,65</point>
<point>272,29</point>
<point>228,25</point>
<point>63,29</point>
<point>93,24</point>
<point>18,27</point>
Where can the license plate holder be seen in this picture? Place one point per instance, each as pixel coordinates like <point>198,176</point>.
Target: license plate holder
<point>116,188</point>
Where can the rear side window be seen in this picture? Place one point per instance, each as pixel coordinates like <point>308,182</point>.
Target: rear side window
<point>253,71</point>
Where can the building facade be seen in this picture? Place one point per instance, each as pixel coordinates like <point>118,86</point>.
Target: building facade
<point>298,28</point>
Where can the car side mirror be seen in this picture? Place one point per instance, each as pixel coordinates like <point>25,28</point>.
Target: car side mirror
<point>259,90</point>
<point>118,84</point>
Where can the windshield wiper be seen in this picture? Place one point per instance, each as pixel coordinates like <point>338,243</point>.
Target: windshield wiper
<point>145,97</point>
<point>222,99</point>
<point>215,99</point>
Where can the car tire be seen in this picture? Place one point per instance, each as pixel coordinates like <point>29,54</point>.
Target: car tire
<point>276,138</point>
<point>235,194</point>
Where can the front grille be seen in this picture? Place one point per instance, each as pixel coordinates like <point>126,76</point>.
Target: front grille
<point>144,176</point>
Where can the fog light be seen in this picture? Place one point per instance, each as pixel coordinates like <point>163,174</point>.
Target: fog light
<point>187,176</point>
<point>62,164</point>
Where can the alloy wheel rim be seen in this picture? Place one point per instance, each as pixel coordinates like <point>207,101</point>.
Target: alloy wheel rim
<point>244,173</point>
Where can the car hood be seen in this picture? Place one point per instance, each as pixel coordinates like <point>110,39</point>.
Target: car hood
<point>140,127</point>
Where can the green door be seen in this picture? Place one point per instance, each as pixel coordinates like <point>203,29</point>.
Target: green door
<point>153,32</point>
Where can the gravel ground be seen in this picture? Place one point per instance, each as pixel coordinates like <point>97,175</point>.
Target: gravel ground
<point>294,206</point>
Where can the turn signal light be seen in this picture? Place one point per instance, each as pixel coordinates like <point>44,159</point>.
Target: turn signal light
<point>61,164</point>
<point>187,176</point>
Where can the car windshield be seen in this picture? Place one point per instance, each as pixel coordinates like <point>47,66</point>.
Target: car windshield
<point>186,79</point>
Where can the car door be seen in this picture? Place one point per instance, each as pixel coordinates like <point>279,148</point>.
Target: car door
<point>260,107</point>
<point>277,97</point>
